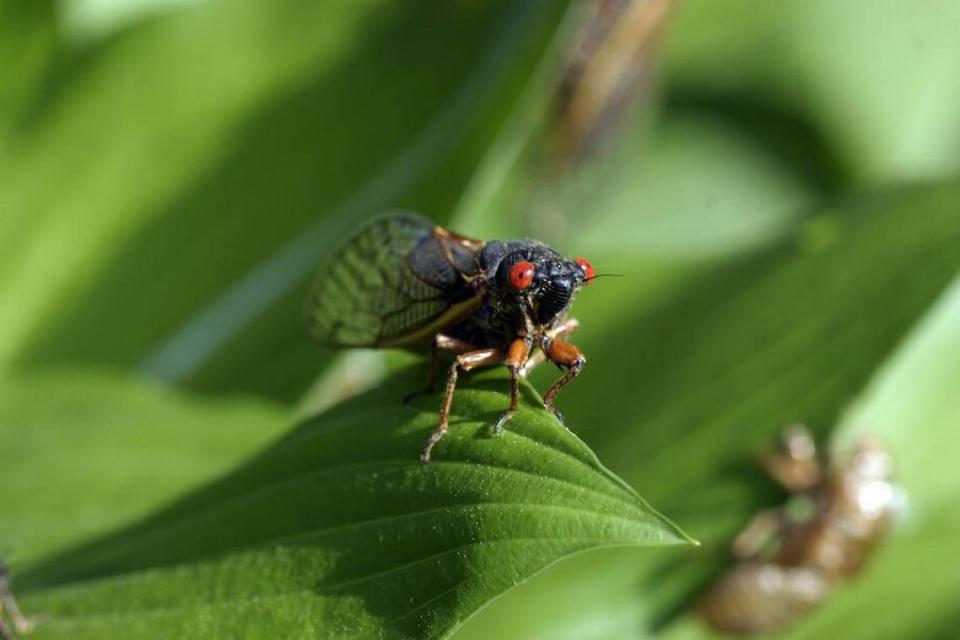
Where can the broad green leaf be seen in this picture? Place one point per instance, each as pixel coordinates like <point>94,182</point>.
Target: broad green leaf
<point>702,383</point>
<point>86,20</point>
<point>338,530</point>
<point>84,452</point>
<point>219,186</point>
<point>27,46</point>
<point>593,596</point>
<point>791,333</point>
<point>913,406</point>
<point>690,188</point>
<point>879,79</point>
<point>170,125</point>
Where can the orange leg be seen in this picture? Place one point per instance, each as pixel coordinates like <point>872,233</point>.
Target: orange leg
<point>516,358</point>
<point>564,355</point>
<point>465,361</point>
<point>563,330</point>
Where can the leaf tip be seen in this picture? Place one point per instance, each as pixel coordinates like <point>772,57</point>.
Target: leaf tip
<point>681,536</point>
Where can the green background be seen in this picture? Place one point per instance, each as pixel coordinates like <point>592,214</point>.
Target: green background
<point>780,195</point>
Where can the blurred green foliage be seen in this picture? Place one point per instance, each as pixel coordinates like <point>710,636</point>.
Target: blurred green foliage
<point>179,182</point>
<point>781,202</point>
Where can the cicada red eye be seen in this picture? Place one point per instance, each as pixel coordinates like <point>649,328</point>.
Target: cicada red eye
<point>587,268</point>
<point>521,275</point>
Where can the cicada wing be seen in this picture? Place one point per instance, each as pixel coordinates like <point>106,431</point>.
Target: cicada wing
<point>395,279</point>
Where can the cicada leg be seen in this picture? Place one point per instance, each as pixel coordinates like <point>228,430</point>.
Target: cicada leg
<point>794,464</point>
<point>466,361</point>
<point>761,529</point>
<point>562,330</point>
<point>565,355</point>
<point>440,343</point>
<point>9,604</point>
<point>517,357</point>
<point>533,362</point>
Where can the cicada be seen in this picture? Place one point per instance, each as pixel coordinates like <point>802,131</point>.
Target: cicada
<point>403,281</point>
<point>790,560</point>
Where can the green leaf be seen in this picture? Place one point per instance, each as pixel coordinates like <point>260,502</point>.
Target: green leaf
<point>793,332</point>
<point>593,596</point>
<point>913,406</point>
<point>83,452</point>
<point>703,382</point>
<point>689,189</point>
<point>27,46</point>
<point>338,530</point>
<point>878,79</point>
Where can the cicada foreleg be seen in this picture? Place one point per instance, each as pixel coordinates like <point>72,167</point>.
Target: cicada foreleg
<point>564,329</point>
<point>466,362</point>
<point>517,357</point>
<point>564,355</point>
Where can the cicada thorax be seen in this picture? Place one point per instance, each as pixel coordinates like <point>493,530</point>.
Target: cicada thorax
<point>540,294</point>
<point>443,265</point>
<point>854,514</point>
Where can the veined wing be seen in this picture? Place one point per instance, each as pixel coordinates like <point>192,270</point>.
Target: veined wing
<point>397,280</point>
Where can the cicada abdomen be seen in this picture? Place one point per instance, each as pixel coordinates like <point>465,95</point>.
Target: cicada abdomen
<point>851,508</point>
<point>761,597</point>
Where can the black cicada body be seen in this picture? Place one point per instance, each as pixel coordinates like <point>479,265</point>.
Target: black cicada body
<point>402,281</point>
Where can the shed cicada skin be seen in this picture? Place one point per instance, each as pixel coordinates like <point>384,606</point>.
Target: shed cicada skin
<point>402,281</point>
<point>788,563</point>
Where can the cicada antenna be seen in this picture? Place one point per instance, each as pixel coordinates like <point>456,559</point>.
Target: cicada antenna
<point>603,275</point>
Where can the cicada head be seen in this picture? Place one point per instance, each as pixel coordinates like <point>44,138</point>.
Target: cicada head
<point>531,280</point>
